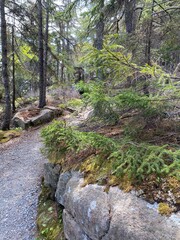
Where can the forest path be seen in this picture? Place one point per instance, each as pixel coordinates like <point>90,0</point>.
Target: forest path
<point>21,169</point>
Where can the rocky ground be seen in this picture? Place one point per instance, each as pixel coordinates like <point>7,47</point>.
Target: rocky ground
<point>21,170</point>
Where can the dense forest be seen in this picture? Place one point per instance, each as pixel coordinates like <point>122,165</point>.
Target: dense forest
<point>132,44</point>
<point>123,57</point>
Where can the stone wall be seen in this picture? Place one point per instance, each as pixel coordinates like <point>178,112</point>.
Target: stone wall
<point>92,214</point>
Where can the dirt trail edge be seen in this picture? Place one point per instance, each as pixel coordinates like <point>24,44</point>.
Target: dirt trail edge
<point>21,169</point>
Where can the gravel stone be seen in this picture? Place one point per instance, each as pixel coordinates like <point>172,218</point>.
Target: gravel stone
<point>21,170</point>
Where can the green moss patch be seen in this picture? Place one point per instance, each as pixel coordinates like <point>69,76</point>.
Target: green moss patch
<point>5,136</point>
<point>164,209</point>
<point>21,102</point>
<point>73,104</point>
<point>49,220</point>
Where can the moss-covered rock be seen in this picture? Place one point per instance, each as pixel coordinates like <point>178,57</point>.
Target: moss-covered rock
<point>5,136</point>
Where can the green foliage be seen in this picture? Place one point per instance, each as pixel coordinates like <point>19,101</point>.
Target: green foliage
<point>103,105</point>
<point>148,107</point>
<point>108,106</point>
<point>141,160</point>
<point>26,53</point>
<point>112,60</point>
<point>75,103</point>
<point>117,66</point>
<point>137,161</point>
<point>86,88</point>
<point>5,136</point>
<point>60,139</point>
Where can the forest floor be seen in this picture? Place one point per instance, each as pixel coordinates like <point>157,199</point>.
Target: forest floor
<point>21,170</point>
<point>21,173</point>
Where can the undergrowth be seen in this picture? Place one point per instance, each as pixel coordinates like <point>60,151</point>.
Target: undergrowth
<point>109,106</point>
<point>136,161</point>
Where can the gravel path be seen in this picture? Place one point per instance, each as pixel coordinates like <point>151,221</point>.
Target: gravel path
<point>21,169</point>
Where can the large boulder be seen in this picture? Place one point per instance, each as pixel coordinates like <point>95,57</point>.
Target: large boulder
<point>56,111</point>
<point>45,115</point>
<point>34,116</point>
<point>88,206</point>
<point>92,214</point>
<point>134,219</point>
<point>20,121</point>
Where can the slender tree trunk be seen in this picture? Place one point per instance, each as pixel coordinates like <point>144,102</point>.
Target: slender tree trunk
<point>98,43</point>
<point>57,62</point>
<point>130,19</point>
<point>68,48</point>
<point>130,22</point>
<point>13,73</point>
<point>100,29</point>
<point>46,49</point>
<point>62,74</point>
<point>42,100</point>
<point>149,36</point>
<point>5,77</point>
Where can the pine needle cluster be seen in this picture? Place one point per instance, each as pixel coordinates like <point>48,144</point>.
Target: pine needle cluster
<point>137,161</point>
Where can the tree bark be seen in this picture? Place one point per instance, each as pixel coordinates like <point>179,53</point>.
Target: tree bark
<point>98,43</point>
<point>42,88</point>
<point>100,28</point>
<point>5,77</point>
<point>130,19</point>
<point>46,49</point>
<point>13,73</point>
<point>149,36</point>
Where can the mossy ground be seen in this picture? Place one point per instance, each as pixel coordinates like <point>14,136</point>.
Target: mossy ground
<point>49,219</point>
<point>5,136</point>
<point>166,190</point>
<point>98,167</point>
<point>74,104</point>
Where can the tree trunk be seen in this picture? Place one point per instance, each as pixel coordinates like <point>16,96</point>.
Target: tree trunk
<point>5,77</point>
<point>61,49</point>
<point>130,19</point>
<point>46,49</point>
<point>68,49</point>
<point>13,73</point>
<point>149,36</point>
<point>98,43</point>
<point>42,87</point>
<point>58,44</point>
<point>100,29</point>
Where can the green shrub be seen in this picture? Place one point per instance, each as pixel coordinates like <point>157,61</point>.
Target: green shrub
<point>137,161</point>
<point>60,139</point>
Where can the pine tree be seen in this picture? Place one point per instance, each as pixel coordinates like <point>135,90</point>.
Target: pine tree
<point>5,77</point>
